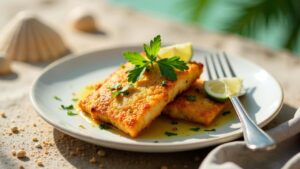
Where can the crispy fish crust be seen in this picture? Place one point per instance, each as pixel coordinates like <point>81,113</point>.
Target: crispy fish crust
<point>145,101</point>
<point>200,109</point>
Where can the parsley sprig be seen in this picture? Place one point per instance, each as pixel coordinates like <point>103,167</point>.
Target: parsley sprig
<point>166,66</point>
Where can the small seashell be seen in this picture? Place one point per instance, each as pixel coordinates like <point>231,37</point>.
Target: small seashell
<point>27,39</point>
<point>21,154</point>
<point>81,19</point>
<point>4,65</point>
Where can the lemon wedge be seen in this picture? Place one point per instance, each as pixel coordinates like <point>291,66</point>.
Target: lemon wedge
<point>222,89</point>
<point>234,85</point>
<point>184,51</point>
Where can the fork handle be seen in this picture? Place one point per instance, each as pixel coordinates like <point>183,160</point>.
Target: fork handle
<point>255,137</point>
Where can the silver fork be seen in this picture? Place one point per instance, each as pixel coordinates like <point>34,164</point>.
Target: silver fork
<point>255,138</point>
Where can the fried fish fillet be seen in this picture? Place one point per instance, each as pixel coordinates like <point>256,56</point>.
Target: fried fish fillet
<point>134,110</point>
<point>193,105</point>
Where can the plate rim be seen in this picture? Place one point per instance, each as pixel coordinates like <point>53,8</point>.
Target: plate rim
<point>146,145</point>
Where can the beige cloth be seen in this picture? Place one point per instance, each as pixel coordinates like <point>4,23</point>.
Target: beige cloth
<point>235,155</point>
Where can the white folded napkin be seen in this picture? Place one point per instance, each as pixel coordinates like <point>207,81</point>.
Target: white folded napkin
<point>235,155</point>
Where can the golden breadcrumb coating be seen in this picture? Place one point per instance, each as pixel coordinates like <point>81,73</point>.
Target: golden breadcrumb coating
<point>134,111</point>
<point>193,105</point>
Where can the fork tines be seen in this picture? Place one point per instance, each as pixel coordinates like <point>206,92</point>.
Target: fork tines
<point>218,66</point>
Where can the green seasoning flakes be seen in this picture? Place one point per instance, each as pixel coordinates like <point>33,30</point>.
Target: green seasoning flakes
<point>225,113</point>
<point>210,130</point>
<point>191,98</point>
<point>70,107</point>
<point>74,99</point>
<point>104,126</point>
<point>122,90</point>
<point>70,113</point>
<point>163,83</point>
<point>195,129</point>
<point>169,134</point>
<point>122,66</point>
<point>57,98</point>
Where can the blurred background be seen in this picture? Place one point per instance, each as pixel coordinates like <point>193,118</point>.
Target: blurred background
<point>272,23</point>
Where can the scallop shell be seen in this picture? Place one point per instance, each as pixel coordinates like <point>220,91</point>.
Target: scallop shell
<point>4,65</point>
<point>27,39</point>
<point>83,20</point>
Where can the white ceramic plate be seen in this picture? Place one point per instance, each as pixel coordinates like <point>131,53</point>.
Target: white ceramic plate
<point>70,74</point>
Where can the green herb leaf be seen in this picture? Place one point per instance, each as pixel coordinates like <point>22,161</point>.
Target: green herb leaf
<point>169,134</point>
<point>135,58</point>
<point>174,62</point>
<point>195,129</point>
<point>134,74</point>
<point>177,63</point>
<point>152,50</point>
<point>191,98</point>
<point>148,52</point>
<point>57,98</point>
<point>104,126</point>
<point>210,130</point>
<point>74,99</point>
<point>167,66</point>
<point>70,113</point>
<point>70,107</point>
<point>225,113</point>
<point>167,70</point>
<point>155,44</point>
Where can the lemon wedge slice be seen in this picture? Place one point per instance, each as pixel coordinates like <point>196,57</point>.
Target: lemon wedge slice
<point>184,51</point>
<point>234,85</point>
<point>222,89</point>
